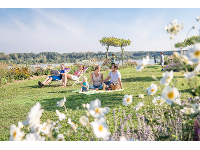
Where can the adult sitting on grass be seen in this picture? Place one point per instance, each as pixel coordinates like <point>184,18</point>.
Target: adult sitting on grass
<point>76,74</point>
<point>96,79</point>
<point>115,77</point>
<point>62,76</point>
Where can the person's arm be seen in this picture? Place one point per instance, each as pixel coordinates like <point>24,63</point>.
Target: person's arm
<point>102,77</point>
<point>106,79</point>
<point>80,73</point>
<point>120,83</point>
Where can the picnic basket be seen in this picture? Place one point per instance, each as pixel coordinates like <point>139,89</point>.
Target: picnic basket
<point>115,86</point>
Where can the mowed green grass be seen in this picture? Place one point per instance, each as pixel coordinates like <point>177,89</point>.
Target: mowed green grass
<point>16,99</point>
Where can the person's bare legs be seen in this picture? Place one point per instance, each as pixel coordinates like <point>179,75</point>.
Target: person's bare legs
<point>64,80</point>
<point>48,81</point>
<point>47,78</point>
<point>69,76</point>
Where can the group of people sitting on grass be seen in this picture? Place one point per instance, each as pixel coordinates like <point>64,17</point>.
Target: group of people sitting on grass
<point>97,81</point>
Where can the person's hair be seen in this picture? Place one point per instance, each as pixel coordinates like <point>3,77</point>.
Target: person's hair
<point>82,67</point>
<point>96,67</point>
<point>161,52</point>
<point>84,78</point>
<point>112,54</point>
<point>115,66</point>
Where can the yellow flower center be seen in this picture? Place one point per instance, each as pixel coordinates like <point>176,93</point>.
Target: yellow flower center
<point>197,53</point>
<point>128,100</point>
<point>170,95</point>
<point>44,128</point>
<point>14,134</point>
<point>152,90</point>
<point>100,128</point>
<point>97,110</point>
<point>188,111</point>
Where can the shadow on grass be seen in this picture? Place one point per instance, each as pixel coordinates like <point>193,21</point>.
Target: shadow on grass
<point>143,79</point>
<point>76,100</point>
<point>37,86</point>
<point>154,67</point>
<point>187,91</point>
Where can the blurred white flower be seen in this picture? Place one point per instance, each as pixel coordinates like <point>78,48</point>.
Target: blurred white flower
<point>138,106</point>
<point>176,54</point>
<point>73,125</point>
<point>177,101</point>
<point>122,138</point>
<point>144,63</point>
<point>84,120</point>
<point>198,18</point>
<point>193,53</point>
<point>33,118</point>
<point>55,126</point>
<point>34,137</point>
<point>174,28</point>
<point>100,128</point>
<point>197,69</point>
<point>152,89</point>
<point>170,94</point>
<point>87,106</point>
<point>83,105</point>
<point>61,103</point>
<point>127,100</point>
<point>196,107</point>
<point>96,110</point>
<point>141,96</point>
<point>61,116</point>
<point>15,133</point>
<point>20,124</point>
<point>158,100</point>
<point>185,59</point>
<point>60,137</point>
<point>189,75</point>
<point>167,77</point>
<point>187,111</point>
<point>44,128</point>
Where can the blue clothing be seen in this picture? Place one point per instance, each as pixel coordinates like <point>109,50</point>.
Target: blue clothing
<point>108,83</point>
<point>100,87</point>
<point>85,88</point>
<point>58,77</point>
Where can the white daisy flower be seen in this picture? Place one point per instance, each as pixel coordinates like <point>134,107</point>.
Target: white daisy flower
<point>61,116</point>
<point>138,106</point>
<point>34,137</point>
<point>193,53</point>
<point>167,77</point>
<point>15,133</point>
<point>55,126</point>
<point>44,128</point>
<point>170,94</point>
<point>187,111</point>
<point>96,110</point>
<point>158,100</point>
<point>87,106</point>
<point>73,125</point>
<point>127,100</point>
<point>152,89</point>
<point>33,118</point>
<point>196,107</point>
<point>100,128</point>
<point>144,63</point>
<point>141,96</point>
<point>83,105</point>
<point>84,120</point>
<point>198,18</point>
<point>20,124</point>
<point>174,28</point>
<point>197,69</point>
<point>61,103</point>
<point>60,137</point>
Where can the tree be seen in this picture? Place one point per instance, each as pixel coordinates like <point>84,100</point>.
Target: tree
<point>122,43</point>
<point>108,41</point>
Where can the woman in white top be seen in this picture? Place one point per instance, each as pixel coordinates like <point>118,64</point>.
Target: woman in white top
<point>96,79</point>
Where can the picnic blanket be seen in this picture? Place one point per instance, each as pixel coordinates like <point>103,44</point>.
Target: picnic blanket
<point>95,92</point>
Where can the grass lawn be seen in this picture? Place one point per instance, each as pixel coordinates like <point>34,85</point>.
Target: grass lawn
<point>16,99</point>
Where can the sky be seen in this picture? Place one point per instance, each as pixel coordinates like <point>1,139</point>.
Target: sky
<point>66,30</point>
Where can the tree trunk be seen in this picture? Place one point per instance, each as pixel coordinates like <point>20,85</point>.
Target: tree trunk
<point>122,54</point>
<point>107,48</point>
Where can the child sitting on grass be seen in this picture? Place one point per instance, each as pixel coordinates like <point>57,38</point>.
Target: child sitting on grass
<point>85,85</point>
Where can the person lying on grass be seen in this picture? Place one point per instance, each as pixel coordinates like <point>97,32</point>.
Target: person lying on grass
<point>62,76</point>
<point>115,77</point>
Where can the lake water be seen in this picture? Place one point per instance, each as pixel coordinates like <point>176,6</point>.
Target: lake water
<point>139,61</point>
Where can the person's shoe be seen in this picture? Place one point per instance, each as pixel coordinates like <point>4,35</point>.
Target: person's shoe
<point>40,83</point>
